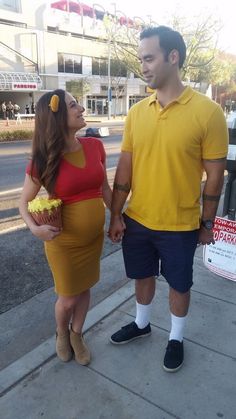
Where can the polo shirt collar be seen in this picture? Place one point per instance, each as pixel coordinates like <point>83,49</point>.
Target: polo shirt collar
<point>185,96</point>
<point>152,98</point>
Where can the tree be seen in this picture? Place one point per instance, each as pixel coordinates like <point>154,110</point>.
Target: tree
<point>223,77</point>
<point>119,77</point>
<point>78,88</point>
<point>201,35</point>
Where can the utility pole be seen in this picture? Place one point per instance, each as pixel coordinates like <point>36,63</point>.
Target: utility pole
<point>109,92</point>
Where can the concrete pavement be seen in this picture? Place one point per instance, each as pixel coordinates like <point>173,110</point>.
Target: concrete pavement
<point>128,381</point>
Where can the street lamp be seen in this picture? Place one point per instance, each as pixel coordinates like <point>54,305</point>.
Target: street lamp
<point>107,22</point>
<point>139,22</point>
<point>109,92</point>
<point>123,19</point>
<point>96,11</point>
<point>114,5</point>
<point>81,11</point>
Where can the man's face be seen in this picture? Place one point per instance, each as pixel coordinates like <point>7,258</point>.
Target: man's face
<point>157,70</point>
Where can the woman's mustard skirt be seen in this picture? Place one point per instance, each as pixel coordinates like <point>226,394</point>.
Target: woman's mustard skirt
<point>74,255</point>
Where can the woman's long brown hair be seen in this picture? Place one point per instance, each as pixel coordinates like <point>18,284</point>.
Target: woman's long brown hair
<point>50,131</point>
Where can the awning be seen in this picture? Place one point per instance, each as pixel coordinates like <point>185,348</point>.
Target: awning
<point>20,81</point>
<point>126,21</point>
<point>66,6</point>
<point>71,6</point>
<point>83,9</point>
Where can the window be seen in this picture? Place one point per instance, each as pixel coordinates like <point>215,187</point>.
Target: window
<point>99,67</point>
<point>134,99</point>
<point>78,65</point>
<point>114,89</point>
<point>61,63</point>
<point>68,63</point>
<point>11,5</point>
<point>118,69</point>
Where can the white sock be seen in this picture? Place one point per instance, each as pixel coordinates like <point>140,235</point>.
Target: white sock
<point>143,313</point>
<point>177,327</point>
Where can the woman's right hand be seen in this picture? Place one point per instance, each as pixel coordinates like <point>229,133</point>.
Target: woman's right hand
<point>45,232</point>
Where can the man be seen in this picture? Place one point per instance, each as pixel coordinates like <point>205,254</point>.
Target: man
<point>10,110</point>
<point>4,110</point>
<point>169,139</point>
<point>16,109</point>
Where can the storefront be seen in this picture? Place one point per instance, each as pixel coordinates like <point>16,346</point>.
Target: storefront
<point>20,88</point>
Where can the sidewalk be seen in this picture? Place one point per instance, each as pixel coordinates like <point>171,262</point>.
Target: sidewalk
<point>128,381</point>
<point>112,124</point>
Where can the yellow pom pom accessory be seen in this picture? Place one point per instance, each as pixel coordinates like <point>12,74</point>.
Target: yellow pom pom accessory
<point>54,103</point>
<point>42,204</point>
<point>46,211</point>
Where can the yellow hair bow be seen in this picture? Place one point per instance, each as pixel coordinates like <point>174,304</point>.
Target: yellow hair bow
<point>54,103</point>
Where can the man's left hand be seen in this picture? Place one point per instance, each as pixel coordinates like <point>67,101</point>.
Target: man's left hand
<point>205,236</point>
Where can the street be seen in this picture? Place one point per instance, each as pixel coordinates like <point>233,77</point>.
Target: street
<point>14,156</point>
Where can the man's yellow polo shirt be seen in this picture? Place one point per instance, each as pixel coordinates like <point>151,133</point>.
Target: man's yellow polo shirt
<point>167,146</point>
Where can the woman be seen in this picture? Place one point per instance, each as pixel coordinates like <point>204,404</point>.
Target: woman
<point>71,169</point>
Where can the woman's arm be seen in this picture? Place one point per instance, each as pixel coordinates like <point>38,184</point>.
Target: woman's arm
<point>30,190</point>
<point>106,189</point>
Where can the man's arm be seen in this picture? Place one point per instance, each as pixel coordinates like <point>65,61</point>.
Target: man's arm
<point>121,189</point>
<point>211,195</point>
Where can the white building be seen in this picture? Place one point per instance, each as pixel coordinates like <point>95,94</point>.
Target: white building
<point>42,47</point>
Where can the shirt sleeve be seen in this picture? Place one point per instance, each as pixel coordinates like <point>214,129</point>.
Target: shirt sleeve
<point>215,142</point>
<point>28,170</point>
<point>28,167</point>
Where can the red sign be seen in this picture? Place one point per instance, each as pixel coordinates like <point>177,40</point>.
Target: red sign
<point>24,86</point>
<point>220,257</point>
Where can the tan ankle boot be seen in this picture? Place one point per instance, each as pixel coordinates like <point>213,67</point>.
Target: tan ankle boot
<point>63,347</point>
<point>82,354</point>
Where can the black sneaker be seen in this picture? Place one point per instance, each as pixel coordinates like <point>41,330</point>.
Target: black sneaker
<point>130,332</point>
<point>174,356</point>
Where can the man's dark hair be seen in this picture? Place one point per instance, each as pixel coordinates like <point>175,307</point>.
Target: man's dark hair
<point>168,39</point>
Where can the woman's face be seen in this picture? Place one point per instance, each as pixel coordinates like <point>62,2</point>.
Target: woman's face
<point>75,112</point>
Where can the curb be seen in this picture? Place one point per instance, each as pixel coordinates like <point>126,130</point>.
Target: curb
<point>18,370</point>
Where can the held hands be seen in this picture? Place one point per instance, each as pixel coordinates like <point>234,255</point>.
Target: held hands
<point>116,228</point>
<point>45,232</point>
<point>205,236</point>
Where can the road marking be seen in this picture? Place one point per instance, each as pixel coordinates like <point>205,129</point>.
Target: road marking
<point>15,228</point>
<point>111,168</point>
<point>11,191</point>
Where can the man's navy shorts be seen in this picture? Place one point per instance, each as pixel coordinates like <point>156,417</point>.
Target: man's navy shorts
<point>144,250</point>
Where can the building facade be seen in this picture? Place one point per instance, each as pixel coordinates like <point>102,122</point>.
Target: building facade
<point>44,45</point>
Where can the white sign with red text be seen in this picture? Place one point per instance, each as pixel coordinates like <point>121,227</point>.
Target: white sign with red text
<point>24,86</point>
<point>220,257</point>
